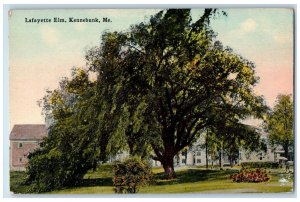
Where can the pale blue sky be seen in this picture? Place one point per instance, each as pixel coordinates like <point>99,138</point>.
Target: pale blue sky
<point>40,54</point>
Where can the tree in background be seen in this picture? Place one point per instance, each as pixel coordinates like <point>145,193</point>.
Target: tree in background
<point>279,124</point>
<point>211,144</point>
<point>82,133</point>
<point>228,137</point>
<point>72,146</point>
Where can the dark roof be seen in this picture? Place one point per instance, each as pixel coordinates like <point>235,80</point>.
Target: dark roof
<point>28,132</point>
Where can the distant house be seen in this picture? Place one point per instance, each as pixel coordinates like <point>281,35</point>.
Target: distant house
<point>195,155</point>
<point>24,139</point>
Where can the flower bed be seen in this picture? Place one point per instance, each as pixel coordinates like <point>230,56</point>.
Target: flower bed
<point>258,175</point>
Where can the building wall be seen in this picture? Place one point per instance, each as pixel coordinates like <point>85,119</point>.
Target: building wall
<point>19,152</point>
<point>268,156</point>
<point>196,156</point>
<point>155,163</point>
<point>201,159</point>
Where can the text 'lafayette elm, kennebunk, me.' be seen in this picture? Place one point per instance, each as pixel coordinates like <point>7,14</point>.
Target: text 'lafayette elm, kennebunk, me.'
<point>64,20</point>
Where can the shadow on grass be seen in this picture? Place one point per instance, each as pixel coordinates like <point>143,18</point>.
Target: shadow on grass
<point>107,181</point>
<point>184,176</point>
<point>193,175</point>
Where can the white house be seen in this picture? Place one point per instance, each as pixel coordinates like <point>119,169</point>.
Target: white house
<point>196,155</point>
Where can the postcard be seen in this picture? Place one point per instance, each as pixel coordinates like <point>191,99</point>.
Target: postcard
<point>151,101</point>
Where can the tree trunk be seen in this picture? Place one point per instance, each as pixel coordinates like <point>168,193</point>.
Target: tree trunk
<point>166,158</point>
<point>103,145</point>
<point>220,158</point>
<point>286,152</point>
<point>130,145</point>
<point>206,150</point>
<point>168,166</point>
<point>231,161</point>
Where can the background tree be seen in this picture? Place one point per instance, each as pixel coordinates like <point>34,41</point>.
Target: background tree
<point>72,146</point>
<point>233,136</point>
<point>279,124</point>
<point>211,145</point>
<point>79,136</point>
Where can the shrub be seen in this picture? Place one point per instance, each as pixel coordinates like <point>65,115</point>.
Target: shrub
<point>245,175</point>
<point>65,156</point>
<point>260,164</point>
<point>130,175</point>
<point>49,171</point>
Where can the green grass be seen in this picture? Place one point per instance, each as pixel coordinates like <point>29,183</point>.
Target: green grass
<point>189,180</point>
<point>17,179</point>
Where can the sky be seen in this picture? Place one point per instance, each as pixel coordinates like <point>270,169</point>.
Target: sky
<point>41,54</point>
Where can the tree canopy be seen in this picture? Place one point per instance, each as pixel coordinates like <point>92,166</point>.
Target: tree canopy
<point>173,76</point>
<point>279,124</point>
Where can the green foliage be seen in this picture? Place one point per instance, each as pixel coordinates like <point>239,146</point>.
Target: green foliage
<point>73,144</point>
<point>130,175</point>
<point>44,172</point>
<point>260,164</point>
<point>57,165</point>
<point>279,123</point>
<point>227,135</point>
<point>17,182</point>
<point>172,77</point>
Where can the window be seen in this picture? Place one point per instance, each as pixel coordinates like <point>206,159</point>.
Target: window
<point>20,145</point>
<point>198,153</point>
<point>260,156</point>
<point>198,160</point>
<point>183,161</point>
<point>20,159</point>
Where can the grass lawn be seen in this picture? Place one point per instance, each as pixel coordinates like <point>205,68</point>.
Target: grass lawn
<point>189,180</point>
<point>16,182</point>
